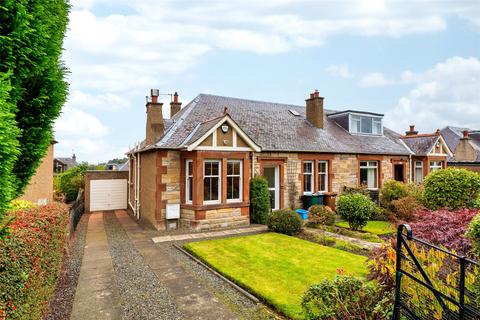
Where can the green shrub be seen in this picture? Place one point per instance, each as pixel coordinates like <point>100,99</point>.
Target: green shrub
<point>30,259</point>
<point>346,298</point>
<point>451,188</point>
<point>476,203</point>
<point>392,190</point>
<point>415,191</point>
<point>405,209</point>
<point>71,181</point>
<point>354,190</point>
<point>285,221</point>
<point>259,200</point>
<point>380,214</point>
<point>473,233</point>
<point>356,209</point>
<point>320,214</point>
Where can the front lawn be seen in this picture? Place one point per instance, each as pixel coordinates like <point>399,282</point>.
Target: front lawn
<point>375,227</point>
<point>276,267</point>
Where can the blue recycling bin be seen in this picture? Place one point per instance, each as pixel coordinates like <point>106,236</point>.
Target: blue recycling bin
<point>302,213</point>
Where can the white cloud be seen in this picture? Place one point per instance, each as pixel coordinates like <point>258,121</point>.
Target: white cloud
<point>447,94</point>
<point>374,79</point>
<point>74,122</point>
<point>117,49</point>
<point>340,70</point>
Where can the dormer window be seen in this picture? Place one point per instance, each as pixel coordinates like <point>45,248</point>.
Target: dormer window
<point>361,124</point>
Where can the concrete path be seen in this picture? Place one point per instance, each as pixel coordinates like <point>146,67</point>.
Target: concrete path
<point>96,296</point>
<point>202,235</point>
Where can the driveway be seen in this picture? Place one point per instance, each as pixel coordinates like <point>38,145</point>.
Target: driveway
<point>125,275</point>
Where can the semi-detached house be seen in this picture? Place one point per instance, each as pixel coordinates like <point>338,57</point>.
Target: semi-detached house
<point>200,161</point>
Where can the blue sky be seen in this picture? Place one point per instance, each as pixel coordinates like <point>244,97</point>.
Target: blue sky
<point>417,62</point>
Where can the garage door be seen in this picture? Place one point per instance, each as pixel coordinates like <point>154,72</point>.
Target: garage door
<point>108,194</point>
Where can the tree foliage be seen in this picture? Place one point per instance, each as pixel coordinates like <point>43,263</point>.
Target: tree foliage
<point>31,37</point>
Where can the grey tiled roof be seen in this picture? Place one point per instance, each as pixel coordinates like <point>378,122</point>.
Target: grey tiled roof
<point>452,136</point>
<point>421,144</point>
<point>70,162</point>
<point>274,128</point>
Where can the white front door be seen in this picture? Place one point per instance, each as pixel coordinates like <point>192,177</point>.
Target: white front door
<point>272,174</point>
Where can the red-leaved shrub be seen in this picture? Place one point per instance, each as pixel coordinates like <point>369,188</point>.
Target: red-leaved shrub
<point>30,260</point>
<point>445,228</point>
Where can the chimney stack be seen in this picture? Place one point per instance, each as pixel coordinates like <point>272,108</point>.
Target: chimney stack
<point>315,109</point>
<point>466,135</point>
<point>175,106</point>
<point>412,131</point>
<point>155,127</point>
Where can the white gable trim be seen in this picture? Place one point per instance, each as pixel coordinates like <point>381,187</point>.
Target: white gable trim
<point>237,132</point>
<point>444,147</point>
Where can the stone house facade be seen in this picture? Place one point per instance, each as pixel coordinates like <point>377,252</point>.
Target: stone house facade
<point>465,146</point>
<point>200,161</point>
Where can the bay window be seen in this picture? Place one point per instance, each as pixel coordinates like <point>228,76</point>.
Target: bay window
<point>369,174</point>
<point>211,181</point>
<point>234,180</point>
<point>188,181</point>
<point>418,172</point>
<point>322,176</point>
<point>436,165</point>
<point>308,177</point>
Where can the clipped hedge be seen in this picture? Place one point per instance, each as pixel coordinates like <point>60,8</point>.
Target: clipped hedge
<point>285,221</point>
<point>30,260</point>
<point>451,188</point>
<point>259,200</point>
<point>356,209</point>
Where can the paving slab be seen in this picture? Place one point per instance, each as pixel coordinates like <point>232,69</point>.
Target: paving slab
<point>96,296</point>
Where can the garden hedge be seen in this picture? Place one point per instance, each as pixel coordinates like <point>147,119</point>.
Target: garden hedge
<point>451,188</point>
<point>30,260</point>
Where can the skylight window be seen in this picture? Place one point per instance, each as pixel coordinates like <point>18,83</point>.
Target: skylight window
<point>294,112</point>
<point>365,124</point>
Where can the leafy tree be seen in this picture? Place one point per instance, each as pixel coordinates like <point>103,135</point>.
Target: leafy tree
<point>71,181</point>
<point>31,37</point>
<point>118,160</point>
<point>8,148</point>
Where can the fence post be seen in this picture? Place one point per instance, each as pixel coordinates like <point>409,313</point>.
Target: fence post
<point>398,274</point>
<point>462,288</point>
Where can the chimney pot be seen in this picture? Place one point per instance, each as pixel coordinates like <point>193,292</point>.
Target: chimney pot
<point>175,106</point>
<point>175,97</point>
<point>412,131</point>
<point>316,94</point>
<point>466,134</point>
<point>154,93</point>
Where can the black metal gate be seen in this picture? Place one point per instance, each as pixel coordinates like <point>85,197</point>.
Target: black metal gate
<point>433,283</point>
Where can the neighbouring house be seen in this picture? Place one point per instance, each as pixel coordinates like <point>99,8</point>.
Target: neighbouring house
<point>63,164</point>
<point>199,163</point>
<point>124,166</point>
<point>429,152</point>
<point>465,146</point>
<point>40,188</point>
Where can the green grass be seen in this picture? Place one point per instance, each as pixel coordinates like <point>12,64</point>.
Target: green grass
<point>375,227</point>
<point>276,267</point>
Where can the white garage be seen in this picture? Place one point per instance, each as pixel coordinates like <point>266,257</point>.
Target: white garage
<point>108,194</point>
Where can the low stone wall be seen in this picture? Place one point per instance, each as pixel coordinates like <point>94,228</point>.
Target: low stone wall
<point>215,219</point>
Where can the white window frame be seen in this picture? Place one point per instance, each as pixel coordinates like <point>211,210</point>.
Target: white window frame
<point>240,175</point>
<point>436,165</point>
<point>418,165</point>
<point>322,173</point>
<point>219,176</point>
<point>312,177</point>
<point>370,166</point>
<point>354,119</point>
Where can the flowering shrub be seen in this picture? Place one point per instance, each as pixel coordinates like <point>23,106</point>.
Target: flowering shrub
<point>347,297</point>
<point>405,209</point>
<point>17,205</point>
<point>320,214</point>
<point>30,259</point>
<point>445,228</point>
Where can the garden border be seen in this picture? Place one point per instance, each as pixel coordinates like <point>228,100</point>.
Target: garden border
<point>233,285</point>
